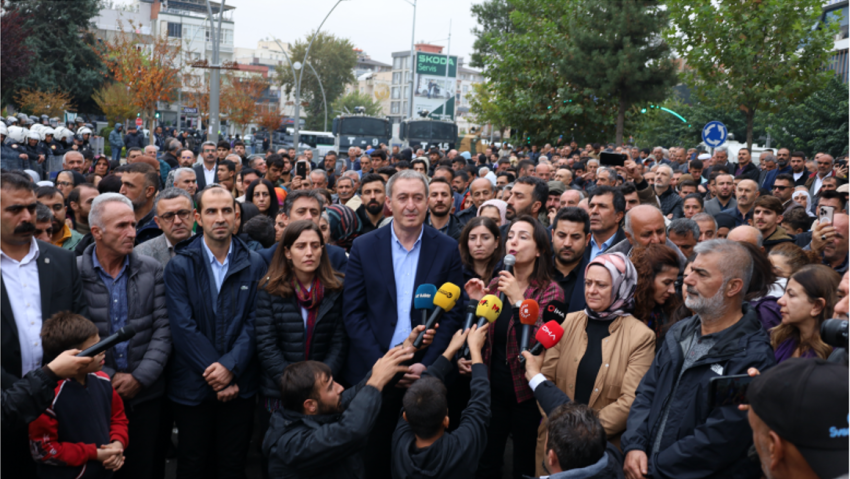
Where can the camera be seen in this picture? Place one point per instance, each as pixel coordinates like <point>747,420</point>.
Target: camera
<point>834,333</point>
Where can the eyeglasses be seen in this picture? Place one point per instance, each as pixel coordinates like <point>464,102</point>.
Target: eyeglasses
<point>64,183</point>
<point>780,188</point>
<point>48,231</point>
<point>169,216</point>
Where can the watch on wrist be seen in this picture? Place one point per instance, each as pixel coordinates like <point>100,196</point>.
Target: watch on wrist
<point>517,305</point>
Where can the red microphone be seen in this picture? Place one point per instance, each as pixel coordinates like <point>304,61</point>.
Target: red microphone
<point>528,313</point>
<point>547,336</point>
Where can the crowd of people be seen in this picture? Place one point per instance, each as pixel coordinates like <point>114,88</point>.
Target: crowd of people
<point>332,307</point>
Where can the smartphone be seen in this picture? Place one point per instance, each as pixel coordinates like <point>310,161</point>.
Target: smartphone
<point>825,214</point>
<point>340,164</point>
<point>301,169</point>
<point>728,390</point>
<point>612,159</point>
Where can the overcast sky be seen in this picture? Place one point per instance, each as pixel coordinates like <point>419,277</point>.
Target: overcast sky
<point>378,27</point>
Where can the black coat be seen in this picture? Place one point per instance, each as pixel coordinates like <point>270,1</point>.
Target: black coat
<point>281,336</point>
<point>697,441</point>
<point>323,446</point>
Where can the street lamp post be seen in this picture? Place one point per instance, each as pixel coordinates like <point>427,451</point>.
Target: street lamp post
<point>412,58</point>
<point>215,72</point>
<point>293,68</point>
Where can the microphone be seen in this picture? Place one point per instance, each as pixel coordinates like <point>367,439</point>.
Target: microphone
<point>424,299</point>
<point>471,307</point>
<point>528,313</point>
<point>509,262</point>
<point>444,300</point>
<point>547,336</point>
<point>555,311</point>
<point>487,310</point>
<point>122,335</point>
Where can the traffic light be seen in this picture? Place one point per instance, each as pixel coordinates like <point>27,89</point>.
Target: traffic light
<point>138,115</point>
<point>157,115</point>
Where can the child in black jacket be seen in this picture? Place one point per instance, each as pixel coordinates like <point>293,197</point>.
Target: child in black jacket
<point>421,446</point>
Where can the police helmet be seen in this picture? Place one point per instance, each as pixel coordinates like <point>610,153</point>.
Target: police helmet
<point>33,135</point>
<point>17,133</point>
<point>83,131</point>
<point>3,130</point>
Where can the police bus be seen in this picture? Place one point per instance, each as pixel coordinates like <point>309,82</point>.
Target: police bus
<point>361,131</point>
<point>425,133</point>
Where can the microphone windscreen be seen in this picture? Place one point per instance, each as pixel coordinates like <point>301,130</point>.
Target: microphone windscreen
<point>528,312</point>
<point>549,334</point>
<point>489,308</point>
<point>555,311</point>
<point>424,298</point>
<point>509,261</point>
<point>447,296</point>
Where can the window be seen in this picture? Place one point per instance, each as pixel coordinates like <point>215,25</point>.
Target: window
<point>465,89</point>
<point>397,63</point>
<point>396,78</point>
<point>406,77</point>
<point>396,93</point>
<point>394,108</point>
<point>175,30</point>
<point>407,91</point>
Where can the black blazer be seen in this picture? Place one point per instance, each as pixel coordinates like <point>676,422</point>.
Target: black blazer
<point>619,236</point>
<point>200,178</point>
<point>61,290</point>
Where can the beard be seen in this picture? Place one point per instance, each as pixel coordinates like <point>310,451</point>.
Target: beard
<point>139,202</point>
<point>374,208</point>
<point>706,308</point>
<point>330,408</point>
<point>440,213</point>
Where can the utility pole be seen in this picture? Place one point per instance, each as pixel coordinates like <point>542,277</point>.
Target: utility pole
<point>215,72</point>
<point>450,91</point>
<point>412,59</point>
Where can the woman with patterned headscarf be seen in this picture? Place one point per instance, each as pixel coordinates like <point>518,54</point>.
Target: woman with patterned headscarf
<point>344,224</point>
<point>605,351</point>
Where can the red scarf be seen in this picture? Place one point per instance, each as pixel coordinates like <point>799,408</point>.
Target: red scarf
<point>309,300</point>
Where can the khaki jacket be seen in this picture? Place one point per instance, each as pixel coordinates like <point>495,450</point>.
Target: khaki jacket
<point>626,356</point>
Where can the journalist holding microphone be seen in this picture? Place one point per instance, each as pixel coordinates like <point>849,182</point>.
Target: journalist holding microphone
<point>605,350</point>
<point>514,412</point>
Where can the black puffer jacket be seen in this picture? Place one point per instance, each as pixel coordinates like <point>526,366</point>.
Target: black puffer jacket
<point>280,336</point>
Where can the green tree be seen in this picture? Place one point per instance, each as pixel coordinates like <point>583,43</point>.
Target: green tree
<point>347,103</point>
<point>528,93</point>
<point>334,60</point>
<point>818,124</point>
<point>752,55</point>
<point>495,25</point>
<point>616,52</point>
<point>62,46</point>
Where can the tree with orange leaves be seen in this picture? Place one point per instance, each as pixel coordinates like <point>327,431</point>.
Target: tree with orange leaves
<point>149,65</point>
<point>239,98</point>
<point>44,103</point>
<point>269,118</point>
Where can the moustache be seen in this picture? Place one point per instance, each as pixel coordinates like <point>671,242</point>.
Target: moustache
<point>693,291</point>
<point>25,228</point>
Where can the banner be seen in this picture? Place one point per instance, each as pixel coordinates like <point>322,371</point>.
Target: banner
<point>432,90</point>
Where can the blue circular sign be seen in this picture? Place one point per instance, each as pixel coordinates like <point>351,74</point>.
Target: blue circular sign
<point>714,134</point>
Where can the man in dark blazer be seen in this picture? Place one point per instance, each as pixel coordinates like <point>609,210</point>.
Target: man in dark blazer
<point>307,205</point>
<point>209,167</point>
<point>38,280</point>
<point>385,268</point>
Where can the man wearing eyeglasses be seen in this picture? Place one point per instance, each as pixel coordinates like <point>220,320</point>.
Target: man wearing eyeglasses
<point>206,172</point>
<point>124,288</point>
<point>38,280</point>
<point>175,216</point>
<point>783,188</point>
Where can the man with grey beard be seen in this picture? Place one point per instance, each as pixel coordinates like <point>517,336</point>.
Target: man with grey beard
<point>672,430</point>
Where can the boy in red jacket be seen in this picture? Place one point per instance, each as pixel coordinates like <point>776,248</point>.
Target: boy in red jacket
<point>84,432</point>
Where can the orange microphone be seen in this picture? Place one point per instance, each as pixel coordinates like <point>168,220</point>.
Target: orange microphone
<point>528,311</point>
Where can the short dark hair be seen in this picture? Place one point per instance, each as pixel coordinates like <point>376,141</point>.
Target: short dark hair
<point>248,171</point>
<point>231,166</point>
<point>798,219</point>
<point>371,178</point>
<point>379,153</point>
<point>151,176</point>
<point>696,164</point>
<point>524,164</point>
<point>541,188</point>
<point>223,144</point>
<point>695,196</point>
<point>441,180</point>
<point>576,436</point>
<point>402,165</point>
<point>51,191</point>
<point>387,170</point>
<point>799,154</point>
<point>572,214</point>
<point>426,406</point>
<point>447,169</point>
<point>109,184</point>
<point>238,143</point>
<point>687,183</point>
<point>785,177</point>
<point>298,383</point>
<point>769,202</point>
<point>12,180</point>
<point>627,188</point>
<point>618,199</point>
<point>275,160</point>
<point>419,161</point>
<point>832,195</point>
<point>63,331</point>
<point>510,176</point>
<point>260,229</point>
<point>297,195</point>
<point>331,153</point>
<point>464,176</point>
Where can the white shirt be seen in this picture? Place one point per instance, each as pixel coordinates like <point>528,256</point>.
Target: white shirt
<point>798,175</point>
<point>209,175</point>
<point>24,292</point>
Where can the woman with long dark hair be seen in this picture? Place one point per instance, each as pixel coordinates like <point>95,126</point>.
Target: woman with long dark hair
<point>481,249</point>
<point>808,301</point>
<point>655,297</point>
<point>262,194</point>
<point>299,309</point>
<point>513,408</point>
